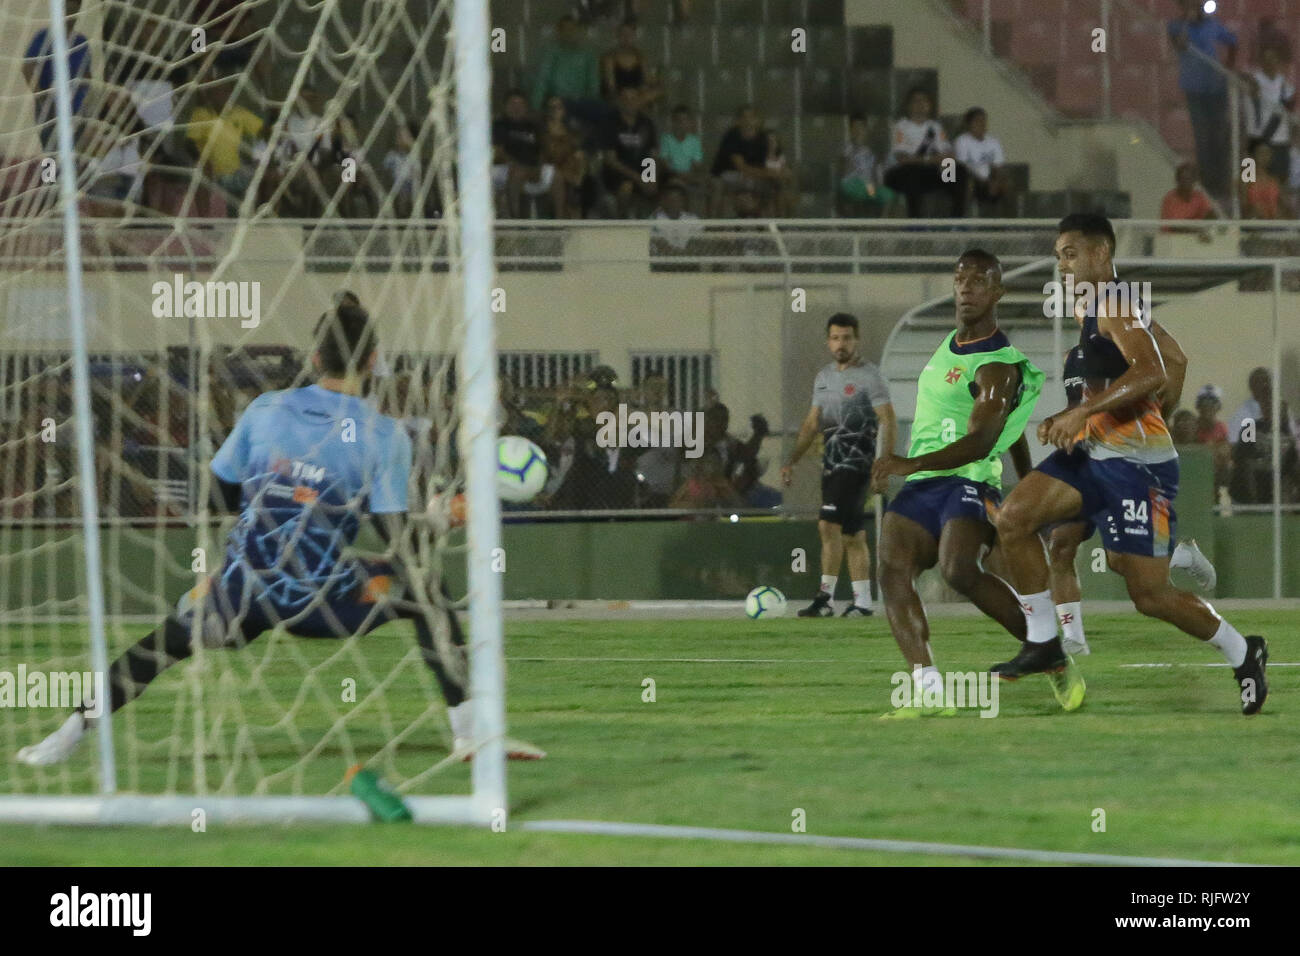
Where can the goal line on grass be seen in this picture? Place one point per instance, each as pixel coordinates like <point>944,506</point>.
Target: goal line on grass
<point>659,831</point>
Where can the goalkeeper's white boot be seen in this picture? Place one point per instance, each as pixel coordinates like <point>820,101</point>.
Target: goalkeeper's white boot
<point>462,732</point>
<point>58,746</point>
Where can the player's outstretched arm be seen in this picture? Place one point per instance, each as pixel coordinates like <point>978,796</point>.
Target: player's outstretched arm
<point>1175,369</point>
<point>998,384</point>
<point>1146,375</point>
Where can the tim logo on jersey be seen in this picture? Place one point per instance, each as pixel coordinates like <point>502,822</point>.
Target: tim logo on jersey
<point>302,474</point>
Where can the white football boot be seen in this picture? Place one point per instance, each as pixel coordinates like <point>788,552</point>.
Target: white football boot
<point>1189,557</point>
<point>58,746</point>
<point>461,718</point>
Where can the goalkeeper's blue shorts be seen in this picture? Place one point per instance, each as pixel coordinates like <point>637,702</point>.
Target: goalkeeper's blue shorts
<point>237,605</point>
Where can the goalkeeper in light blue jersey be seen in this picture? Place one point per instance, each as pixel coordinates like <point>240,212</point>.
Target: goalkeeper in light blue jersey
<point>302,467</point>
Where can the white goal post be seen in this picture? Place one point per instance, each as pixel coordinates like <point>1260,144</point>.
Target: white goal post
<point>440,47</point>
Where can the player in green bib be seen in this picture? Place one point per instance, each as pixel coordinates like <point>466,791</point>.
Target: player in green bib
<point>974,399</point>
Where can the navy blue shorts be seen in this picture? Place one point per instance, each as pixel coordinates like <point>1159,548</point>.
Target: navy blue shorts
<point>1132,504</point>
<point>237,607</point>
<point>933,502</point>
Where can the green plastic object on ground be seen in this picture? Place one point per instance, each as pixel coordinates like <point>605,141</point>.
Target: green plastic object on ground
<point>384,802</point>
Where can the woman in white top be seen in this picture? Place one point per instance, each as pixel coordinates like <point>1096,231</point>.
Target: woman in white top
<point>916,160</point>
<point>984,160</point>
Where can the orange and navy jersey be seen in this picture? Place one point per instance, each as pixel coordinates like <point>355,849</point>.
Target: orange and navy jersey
<point>1138,432</point>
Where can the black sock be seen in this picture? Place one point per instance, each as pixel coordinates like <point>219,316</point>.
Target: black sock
<point>148,657</point>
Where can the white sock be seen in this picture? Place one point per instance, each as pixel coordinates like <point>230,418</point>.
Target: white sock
<point>1181,558</point>
<point>1041,616</point>
<point>1071,618</point>
<point>926,679</point>
<point>461,718</point>
<point>828,584</point>
<point>1230,643</point>
<point>862,593</point>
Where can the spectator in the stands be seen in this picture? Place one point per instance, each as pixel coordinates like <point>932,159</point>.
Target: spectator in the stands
<point>517,167</point>
<point>116,172</point>
<point>674,225</point>
<point>659,474</point>
<point>1209,430</point>
<point>1262,198</point>
<point>150,75</point>
<point>1183,428</point>
<point>361,199</point>
<point>404,169</point>
<point>233,33</point>
<point>1271,100</point>
<point>573,191</point>
<point>303,151</point>
<point>1187,200</point>
<point>740,458</point>
<point>1252,461</point>
<point>859,172</point>
<point>1251,411</point>
<point>1197,37</point>
<point>226,138</point>
<point>705,485</point>
<point>784,180</point>
<point>985,163</point>
<point>653,393</point>
<point>916,161</point>
<point>598,477</point>
<point>682,154</point>
<point>306,131</point>
<point>38,71</point>
<point>569,70</point>
<point>741,164</point>
<point>630,144</point>
<point>626,66</point>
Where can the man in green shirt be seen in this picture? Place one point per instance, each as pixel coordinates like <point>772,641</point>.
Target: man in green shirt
<point>569,71</point>
<point>974,399</point>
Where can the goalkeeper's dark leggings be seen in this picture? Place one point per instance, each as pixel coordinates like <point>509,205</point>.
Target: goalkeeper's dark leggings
<point>135,669</point>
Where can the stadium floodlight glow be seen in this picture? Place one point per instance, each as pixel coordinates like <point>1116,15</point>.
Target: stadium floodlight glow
<point>264,728</point>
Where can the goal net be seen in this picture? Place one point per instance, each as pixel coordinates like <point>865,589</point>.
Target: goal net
<point>239,171</point>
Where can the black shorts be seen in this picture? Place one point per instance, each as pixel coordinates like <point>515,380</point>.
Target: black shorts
<point>844,498</point>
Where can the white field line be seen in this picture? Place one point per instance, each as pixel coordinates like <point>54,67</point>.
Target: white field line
<point>601,828</point>
<point>1271,664</point>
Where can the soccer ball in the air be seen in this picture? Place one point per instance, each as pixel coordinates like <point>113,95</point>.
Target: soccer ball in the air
<point>521,469</point>
<point>764,601</point>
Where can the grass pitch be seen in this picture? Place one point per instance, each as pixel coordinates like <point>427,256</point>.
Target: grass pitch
<point>751,723</point>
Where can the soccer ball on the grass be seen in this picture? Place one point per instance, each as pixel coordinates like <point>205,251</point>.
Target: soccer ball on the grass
<point>764,601</point>
<point>521,469</point>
